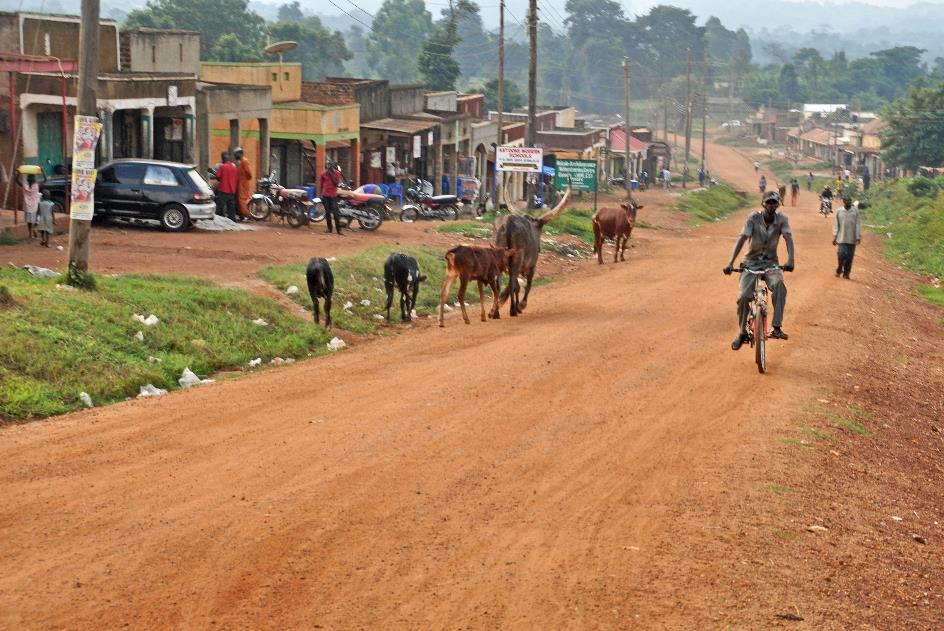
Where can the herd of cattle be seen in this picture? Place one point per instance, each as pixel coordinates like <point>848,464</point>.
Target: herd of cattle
<point>515,252</point>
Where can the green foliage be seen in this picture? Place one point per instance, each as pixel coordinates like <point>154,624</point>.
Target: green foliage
<point>360,277</point>
<point>397,34</point>
<point>321,52</point>
<point>438,69</point>
<point>923,187</point>
<point>229,30</point>
<point>6,239</point>
<point>711,204</point>
<point>575,222</point>
<point>916,225</point>
<point>58,343</point>
<point>915,133</point>
<point>512,98</point>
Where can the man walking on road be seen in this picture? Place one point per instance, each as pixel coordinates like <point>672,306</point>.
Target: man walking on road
<point>762,185</point>
<point>328,185</point>
<point>245,186</point>
<point>763,229</point>
<point>794,191</point>
<point>809,181</point>
<point>847,234</point>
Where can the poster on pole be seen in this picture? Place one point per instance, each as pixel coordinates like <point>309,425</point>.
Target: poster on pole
<point>520,159</point>
<point>84,140</point>
<point>581,174</point>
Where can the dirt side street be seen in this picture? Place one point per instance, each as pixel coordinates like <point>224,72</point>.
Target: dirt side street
<point>604,461</point>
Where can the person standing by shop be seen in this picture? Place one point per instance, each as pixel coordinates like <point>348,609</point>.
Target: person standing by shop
<point>44,220</point>
<point>245,186</point>
<point>328,187</point>
<point>228,177</point>
<point>30,203</point>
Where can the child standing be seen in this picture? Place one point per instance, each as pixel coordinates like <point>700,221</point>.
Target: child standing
<point>30,203</point>
<point>44,221</point>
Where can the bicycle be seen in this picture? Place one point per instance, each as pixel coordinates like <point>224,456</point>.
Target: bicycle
<point>756,326</point>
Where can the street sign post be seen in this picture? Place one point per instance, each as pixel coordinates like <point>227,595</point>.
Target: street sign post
<point>581,175</point>
<point>520,159</point>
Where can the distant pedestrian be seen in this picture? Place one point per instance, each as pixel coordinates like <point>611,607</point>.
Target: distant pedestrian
<point>44,219</point>
<point>701,177</point>
<point>228,177</point>
<point>847,234</point>
<point>328,188</point>
<point>644,178</point>
<point>794,191</point>
<point>666,178</point>
<point>246,182</point>
<point>809,181</point>
<point>30,203</point>
<point>756,166</point>
<point>866,178</point>
<point>762,184</point>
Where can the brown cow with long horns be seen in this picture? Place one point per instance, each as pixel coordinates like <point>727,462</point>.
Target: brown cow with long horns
<point>523,234</point>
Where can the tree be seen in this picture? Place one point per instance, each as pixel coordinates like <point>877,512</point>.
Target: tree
<point>789,84</point>
<point>397,33</point>
<point>915,133</point>
<point>591,19</point>
<point>320,51</point>
<point>291,12</point>
<point>512,97</point>
<point>214,19</point>
<point>477,50</point>
<point>438,68</point>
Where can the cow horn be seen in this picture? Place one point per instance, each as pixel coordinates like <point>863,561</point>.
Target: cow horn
<point>508,204</point>
<point>553,213</point>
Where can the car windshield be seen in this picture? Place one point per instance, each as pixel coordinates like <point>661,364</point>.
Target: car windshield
<point>202,186</point>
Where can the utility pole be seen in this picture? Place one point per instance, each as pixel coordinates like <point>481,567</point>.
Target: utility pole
<point>501,101</point>
<point>629,129</point>
<point>688,119</point>
<point>532,84</point>
<point>704,108</point>
<point>79,229</point>
<point>665,121</point>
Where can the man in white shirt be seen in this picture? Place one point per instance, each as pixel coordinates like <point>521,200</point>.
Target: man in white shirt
<point>847,234</point>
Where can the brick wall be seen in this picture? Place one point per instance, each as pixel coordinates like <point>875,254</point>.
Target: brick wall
<point>327,93</point>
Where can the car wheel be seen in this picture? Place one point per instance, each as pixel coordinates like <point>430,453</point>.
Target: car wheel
<point>57,207</point>
<point>175,218</point>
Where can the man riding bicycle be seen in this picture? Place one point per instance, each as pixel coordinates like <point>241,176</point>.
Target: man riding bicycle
<point>763,229</point>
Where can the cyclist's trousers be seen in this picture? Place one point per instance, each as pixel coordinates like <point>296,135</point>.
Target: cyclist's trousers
<point>778,292</point>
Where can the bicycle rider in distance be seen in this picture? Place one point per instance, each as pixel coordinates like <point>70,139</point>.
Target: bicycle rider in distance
<point>763,229</point>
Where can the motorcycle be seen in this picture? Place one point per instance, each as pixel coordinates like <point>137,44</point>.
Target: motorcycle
<point>825,206</point>
<point>360,206</point>
<point>425,206</point>
<point>291,204</point>
<point>360,199</point>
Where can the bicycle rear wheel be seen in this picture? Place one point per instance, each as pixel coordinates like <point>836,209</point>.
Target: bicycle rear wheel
<point>760,340</point>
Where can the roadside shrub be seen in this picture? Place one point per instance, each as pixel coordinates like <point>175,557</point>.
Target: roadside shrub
<point>923,187</point>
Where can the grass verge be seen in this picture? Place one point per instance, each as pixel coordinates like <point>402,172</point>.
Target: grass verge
<point>711,204</point>
<point>6,239</point>
<point>359,278</point>
<point>914,229</point>
<point>60,342</point>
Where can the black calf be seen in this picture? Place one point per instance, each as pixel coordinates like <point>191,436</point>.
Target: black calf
<point>403,271</point>
<point>320,285</point>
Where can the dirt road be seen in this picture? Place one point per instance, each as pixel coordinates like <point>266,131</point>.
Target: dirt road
<point>600,462</point>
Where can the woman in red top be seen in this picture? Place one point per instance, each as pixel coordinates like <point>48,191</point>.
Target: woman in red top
<point>328,187</point>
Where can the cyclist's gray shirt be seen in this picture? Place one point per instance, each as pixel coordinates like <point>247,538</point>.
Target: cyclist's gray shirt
<point>764,238</point>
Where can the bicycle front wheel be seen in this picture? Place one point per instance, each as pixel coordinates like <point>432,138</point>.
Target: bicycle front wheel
<point>760,340</point>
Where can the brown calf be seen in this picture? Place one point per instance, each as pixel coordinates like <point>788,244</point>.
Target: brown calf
<point>616,224</point>
<point>478,263</point>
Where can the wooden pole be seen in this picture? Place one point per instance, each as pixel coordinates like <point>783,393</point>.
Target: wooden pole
<point>496,190</point>
<point>629,129</point>
<point>79,229</point>
<point>688,119</point>
<point>532,85</point>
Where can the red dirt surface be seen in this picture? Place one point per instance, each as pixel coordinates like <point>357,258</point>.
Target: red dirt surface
<point>604,461</point>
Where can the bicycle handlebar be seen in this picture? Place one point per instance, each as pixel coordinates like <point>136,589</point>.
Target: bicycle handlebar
<point>772,268</point>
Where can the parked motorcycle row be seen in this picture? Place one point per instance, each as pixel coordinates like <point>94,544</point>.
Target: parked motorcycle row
<point>296,207</point>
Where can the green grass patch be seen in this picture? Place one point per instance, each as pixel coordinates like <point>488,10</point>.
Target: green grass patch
<point>6,239</point>
<point>778,489</point>
<point>841,421</point>
<point>796,442</point>
<point>360,277</point>
<point>471,229</point>
<point>933,294</point>
<point>575,222</point>
<point>815,434</point>
<point>59,342</point>
<point>916,226</point>
<point>711,204</point>
<point>784,534</point>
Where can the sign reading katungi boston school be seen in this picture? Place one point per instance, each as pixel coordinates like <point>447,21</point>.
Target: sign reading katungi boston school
<point>520,159</point>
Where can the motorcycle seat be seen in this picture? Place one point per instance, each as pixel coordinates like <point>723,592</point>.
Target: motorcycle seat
<point>296,193</point>
<point>443,199</point>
